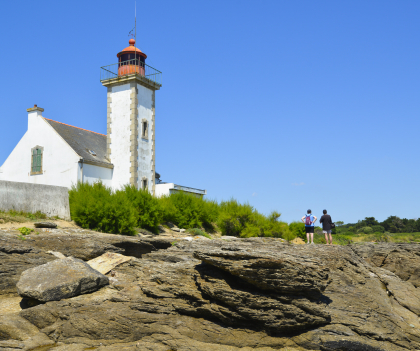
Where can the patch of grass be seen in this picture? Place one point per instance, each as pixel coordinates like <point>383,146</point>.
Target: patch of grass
<point>21,216</point>
<point>197,231</point>
<point>351,238</point>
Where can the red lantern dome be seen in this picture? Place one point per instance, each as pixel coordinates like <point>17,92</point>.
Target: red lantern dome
<point>131,60</point>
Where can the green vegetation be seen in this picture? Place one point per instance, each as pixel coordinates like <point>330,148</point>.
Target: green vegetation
<point>351,238</point>
<point>369,225</point>
<point>20,216</point>
<point>97,207</point>
<point>189,211</point>
<point>149,213</point>
<point>197,231</point>
<point>25,231</point>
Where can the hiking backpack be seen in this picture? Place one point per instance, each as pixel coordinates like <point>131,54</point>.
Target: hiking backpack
<point>308,220</point>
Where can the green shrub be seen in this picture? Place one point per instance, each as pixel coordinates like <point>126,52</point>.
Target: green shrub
<point>188,211</point>
<point>365,230</point>
<point>148,209</point>
<point>382,238</point>
<point>288,234</point>
<point>95,206</point>
<point>233,217</point>
<point>298,229</point>
<point>378,229</point>
<point>25,231</point>
<point>259,225</point>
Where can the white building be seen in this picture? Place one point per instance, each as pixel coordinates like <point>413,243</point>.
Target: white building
<point>55,153</point>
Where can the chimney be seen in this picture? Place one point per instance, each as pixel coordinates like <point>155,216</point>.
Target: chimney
<point>33,113</point>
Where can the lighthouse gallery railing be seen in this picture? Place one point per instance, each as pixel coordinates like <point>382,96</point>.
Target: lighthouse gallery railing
<point>125,68</point>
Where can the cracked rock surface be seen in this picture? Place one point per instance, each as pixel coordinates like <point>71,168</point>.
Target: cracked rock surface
<point>227,295</point>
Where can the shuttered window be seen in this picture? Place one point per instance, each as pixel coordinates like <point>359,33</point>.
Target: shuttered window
<point>36,160</point>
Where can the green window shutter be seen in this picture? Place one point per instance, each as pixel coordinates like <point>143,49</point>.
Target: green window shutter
<point>37,160</point>
<point>39,155</point>
<point>34,161</point>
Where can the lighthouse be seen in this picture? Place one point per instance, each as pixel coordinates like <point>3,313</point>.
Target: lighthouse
<point>131,87</point>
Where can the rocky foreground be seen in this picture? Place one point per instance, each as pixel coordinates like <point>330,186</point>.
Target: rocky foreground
<point>225,294</point>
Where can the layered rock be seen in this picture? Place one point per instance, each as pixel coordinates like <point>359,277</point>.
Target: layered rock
<point>17,255</point>
<point>229,295</point>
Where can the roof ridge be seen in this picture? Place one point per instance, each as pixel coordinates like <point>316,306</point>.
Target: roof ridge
<point>73,126</point>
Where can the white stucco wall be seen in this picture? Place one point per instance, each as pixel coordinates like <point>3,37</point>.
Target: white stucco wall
<point>92,174</point>
<point>120,134</point>
<point>59,161</point>
<point>145,149</point>
<point>163,189</point>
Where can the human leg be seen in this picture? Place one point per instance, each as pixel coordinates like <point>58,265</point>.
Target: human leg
<point>310,234</point>
<point>330,239</point>
<point>308,231</point>
<point>326,236</point>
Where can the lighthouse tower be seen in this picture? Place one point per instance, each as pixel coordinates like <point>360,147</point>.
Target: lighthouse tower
<point>131,88</point>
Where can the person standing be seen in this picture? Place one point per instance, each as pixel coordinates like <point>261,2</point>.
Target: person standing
<point>309,221</point>
<point>326,226</point>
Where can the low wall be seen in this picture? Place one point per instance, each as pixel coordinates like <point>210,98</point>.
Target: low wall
<point>49,199</point>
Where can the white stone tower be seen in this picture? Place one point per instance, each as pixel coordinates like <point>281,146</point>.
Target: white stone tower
<point>131,118</point>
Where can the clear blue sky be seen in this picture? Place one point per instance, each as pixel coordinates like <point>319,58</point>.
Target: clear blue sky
<point>288,105</point>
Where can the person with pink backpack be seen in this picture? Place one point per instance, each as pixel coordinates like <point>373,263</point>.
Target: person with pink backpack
<point>309,219</point>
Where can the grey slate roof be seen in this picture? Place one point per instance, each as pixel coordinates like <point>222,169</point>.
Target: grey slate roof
<point>81,141</point>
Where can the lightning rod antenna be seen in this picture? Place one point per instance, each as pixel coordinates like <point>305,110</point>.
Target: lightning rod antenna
<point>135,36</point>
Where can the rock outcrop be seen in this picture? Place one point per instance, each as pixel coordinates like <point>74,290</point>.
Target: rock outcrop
<point>226,295</point>
<point>60,279</point>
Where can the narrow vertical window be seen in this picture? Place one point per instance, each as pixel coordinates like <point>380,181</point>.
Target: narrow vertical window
<point>144,126</point>
<point>144,183</point>
<point>36,162</point>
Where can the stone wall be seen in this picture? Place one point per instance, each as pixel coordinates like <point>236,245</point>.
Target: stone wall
<point>27,197</point>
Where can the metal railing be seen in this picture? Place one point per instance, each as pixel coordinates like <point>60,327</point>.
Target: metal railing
<point>134,66</point>
<point>190,190</point>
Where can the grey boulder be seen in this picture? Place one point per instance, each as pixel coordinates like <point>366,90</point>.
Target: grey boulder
<point>45,225</point>
<point>60,279</point>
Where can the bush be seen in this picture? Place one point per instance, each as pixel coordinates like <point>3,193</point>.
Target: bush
<point>94,206</point>
<point>298,229</point>
<point>148,209</point>
<point>188,211</point>
<point>233,218</point>
<point>259,225</point>
<point>25,231</point>
<point>378,229</point>
<point>365,230</point>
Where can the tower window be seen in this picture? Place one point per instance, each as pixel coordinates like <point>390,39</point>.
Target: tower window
<point>144,127</point>
<point>36,160</point>
<point>144,183</point>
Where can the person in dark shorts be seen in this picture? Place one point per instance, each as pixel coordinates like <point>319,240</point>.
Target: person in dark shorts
<point>309,219</point>
<point>326,226</point>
